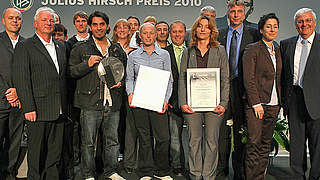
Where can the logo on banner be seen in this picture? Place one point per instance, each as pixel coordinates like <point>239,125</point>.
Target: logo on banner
<point>22,5</point>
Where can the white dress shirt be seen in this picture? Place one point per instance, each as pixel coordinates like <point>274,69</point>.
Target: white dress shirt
<point>14,42</point>
<point>297,56</point>
<point>51,50</point>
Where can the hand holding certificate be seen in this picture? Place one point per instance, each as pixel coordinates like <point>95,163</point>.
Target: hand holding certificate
<point>150,89</point>
<point>203,89</point>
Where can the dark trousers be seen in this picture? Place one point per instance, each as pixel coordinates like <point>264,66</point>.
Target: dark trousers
<point>235,111</point>
<point>4,138</point>
<point>18,146</point>
<point>131,140</point>
<point>147,121</point>
<point>260,132</point>
<point>67,156</point>
<point>302,127</point>
<point>44,148</point>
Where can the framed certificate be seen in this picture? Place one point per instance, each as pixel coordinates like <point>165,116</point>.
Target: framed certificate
<point>203,88</point>
<point>150,89</point>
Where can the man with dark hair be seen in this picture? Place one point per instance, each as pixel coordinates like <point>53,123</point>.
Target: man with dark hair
<point>39,74</point>
<point>100,104</point>
<point>162,28</point>
<point>177,33</point>
<point>60,33</point>
<point>11,116</point>
<point>235,38</point>
<point>80,20</point>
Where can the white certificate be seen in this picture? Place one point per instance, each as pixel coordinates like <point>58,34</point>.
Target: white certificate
<point>150,89</point>
<point>203,88</point>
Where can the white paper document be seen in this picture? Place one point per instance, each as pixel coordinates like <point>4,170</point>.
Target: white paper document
<point>151,87</point>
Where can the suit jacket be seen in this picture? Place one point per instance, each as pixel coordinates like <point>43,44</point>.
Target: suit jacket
<point>259,73</point>
<point>175,74</point>
<point>40,87</point>
<point>311,80</point>
<point>249,35</point>
<point>217,59</point>
<point>6,51</point>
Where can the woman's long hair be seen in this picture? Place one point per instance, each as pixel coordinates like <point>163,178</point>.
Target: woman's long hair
<point>213,43</point>
<point>114,34</point>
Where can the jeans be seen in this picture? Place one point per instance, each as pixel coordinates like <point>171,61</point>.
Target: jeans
<point>175,128</point>
<point>91,121</point>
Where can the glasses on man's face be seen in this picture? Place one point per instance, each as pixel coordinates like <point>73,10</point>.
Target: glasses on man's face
<point>305,21</point>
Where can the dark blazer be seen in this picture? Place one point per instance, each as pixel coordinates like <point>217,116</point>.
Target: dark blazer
<point>6,53</point>
<point>175,73</point>
<point>259,73</point>
<point>249,35</point>
<point>90,89</point>
<point>40,87</point>
<point>217,59</point>
<point>311,80</point>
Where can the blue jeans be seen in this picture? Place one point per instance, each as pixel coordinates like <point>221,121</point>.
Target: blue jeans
<point>91,121</point>
<point>175,128</point>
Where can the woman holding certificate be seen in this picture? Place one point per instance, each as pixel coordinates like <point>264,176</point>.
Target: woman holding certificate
<point>205,52</point>
<point>261,75</point>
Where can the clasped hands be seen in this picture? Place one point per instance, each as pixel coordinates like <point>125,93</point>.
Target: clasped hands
<point>220,110</point>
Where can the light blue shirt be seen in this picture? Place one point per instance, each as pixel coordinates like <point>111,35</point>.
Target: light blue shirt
<point>239,37</point>
<point>159,59</point>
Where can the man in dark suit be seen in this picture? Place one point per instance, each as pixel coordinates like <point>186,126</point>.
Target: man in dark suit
<point>177,33</point>
<point>301,87</point>
<point>235,38</point>
<point>39,74</point>
<point>10,109</point>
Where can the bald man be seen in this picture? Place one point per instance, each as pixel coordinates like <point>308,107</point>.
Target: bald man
<point>11,117</point>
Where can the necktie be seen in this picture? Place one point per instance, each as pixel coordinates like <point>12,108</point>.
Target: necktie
<point>303,60</point>
<point>233,54</point>
<point>178,50</point>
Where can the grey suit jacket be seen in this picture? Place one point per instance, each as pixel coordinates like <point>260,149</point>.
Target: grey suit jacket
<point>217,59</point>
<point>40,87</point>
<point>311,80</point>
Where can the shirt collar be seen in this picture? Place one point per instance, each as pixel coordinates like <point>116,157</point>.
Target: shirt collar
<point>181,46</point>
<point>44,42</point>
<point>310,39</point>
<point>239,29</point>
<point>95,42</point>
<point>79,38</point>
<point>269,48</point>
<point>156,49</point>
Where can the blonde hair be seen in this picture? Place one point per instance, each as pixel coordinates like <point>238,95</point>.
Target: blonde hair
<point>115,37</point>
<point>213,43</point>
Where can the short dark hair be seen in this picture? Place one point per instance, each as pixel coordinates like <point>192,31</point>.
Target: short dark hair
<point>264,19</point>
<point>99,14</point>
<point>134,17</point>
<point>162,22</point>
<point>81,14</point>
<point>177,22</point>
<point>60,28</point>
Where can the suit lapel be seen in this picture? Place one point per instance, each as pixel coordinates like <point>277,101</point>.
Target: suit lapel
<point>313,54</point>
<point>7,41</point>
<point>174,61</point>
<point>267,54</point>
<point>38,44</point>
<point>59,56</point>
<point>292,48</point>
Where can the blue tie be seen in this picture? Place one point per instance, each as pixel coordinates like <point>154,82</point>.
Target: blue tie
<point>303,60</point>
<point>233,54</point>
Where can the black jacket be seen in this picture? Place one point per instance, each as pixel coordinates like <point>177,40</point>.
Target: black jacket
<point>39,86</point>
<point>89,92</point>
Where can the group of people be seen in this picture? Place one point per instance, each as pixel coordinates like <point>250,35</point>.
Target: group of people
<point>55,107</point>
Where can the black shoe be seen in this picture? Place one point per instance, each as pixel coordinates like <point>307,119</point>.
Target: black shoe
<point>129,170</point>
<point>178,171</point>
